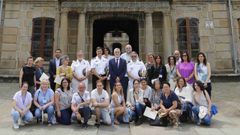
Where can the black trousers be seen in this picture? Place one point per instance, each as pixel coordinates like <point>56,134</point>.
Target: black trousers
<point>209,89</point>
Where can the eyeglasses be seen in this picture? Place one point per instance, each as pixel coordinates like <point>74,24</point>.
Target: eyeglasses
<point>64,82</point>
<point>134,56</point>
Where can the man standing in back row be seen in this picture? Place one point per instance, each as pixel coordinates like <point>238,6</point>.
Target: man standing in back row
<point>53,64</point>
<point>99,68</point>
<point>117,71</point>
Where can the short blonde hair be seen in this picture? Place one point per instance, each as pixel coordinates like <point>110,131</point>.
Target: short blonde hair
<point>38,59</point>
<point>45,81</point>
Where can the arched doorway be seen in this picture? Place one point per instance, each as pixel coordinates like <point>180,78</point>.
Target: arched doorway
<point>103,26</point>
<point>116,45</point>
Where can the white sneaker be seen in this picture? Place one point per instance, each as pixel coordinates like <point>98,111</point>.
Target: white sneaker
<point>15,125</point>
<point>21,123</point>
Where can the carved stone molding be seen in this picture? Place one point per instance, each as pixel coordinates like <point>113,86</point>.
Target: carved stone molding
<point>117,6</point>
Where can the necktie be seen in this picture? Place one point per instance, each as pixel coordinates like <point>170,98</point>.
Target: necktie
<point>117,63</point>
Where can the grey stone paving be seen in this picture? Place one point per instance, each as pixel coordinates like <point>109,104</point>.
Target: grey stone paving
<point>227,121</point>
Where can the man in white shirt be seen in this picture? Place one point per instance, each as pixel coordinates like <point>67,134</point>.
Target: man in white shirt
<point>99,68</point>
<point>177,55</point>
<point>81,69</point>
<point>100,102</point>
<point>127,54</point>
<point>80,104</point>
<point>134,67</point>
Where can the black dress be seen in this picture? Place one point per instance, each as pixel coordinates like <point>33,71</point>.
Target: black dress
<point>149,68</point>
<point>160,73</point>
<point>28,75</point>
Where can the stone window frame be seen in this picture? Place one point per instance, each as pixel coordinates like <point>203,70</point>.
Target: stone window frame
<point>188,35</point>
<point>42,41</point>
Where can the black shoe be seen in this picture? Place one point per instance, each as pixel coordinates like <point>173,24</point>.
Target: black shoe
<point>79,122</point>
<point>97,125</point>
<point>85,125</point>
<point>139,122</point>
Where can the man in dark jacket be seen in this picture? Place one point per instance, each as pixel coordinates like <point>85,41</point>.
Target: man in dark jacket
<point>117,70</point>
<point>53,64</point>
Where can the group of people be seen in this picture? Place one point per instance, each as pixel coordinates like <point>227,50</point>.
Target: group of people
<point>122,87</point>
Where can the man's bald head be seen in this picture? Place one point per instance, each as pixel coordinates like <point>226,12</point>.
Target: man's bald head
<point>128,48</point>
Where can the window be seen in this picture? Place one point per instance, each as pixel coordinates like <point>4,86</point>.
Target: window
<point>42,38</point>
<point>188,35</point>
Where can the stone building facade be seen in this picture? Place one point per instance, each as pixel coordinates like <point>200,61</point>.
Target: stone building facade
<point>37,28</point>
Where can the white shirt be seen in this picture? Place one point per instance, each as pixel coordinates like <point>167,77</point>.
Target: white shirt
<point>57,62</point>
<point>134,67</point>
<point>147,93</point>
<point>186,94</point>
<point>77,98</point>
<point>100,65</point>
<point>109,57</point>
<point>79,66</point>
<point>99,98</point>
<point>126,57</point>
<point>22,102</point>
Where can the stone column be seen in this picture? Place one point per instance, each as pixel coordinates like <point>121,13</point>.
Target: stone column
<point>81,32</point>
<point>167,44</point>
<point>63,44</point>
<point>149,33</point>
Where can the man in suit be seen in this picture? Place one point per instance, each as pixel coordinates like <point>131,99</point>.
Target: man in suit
<point>53,64</point>
<point>117,70</point>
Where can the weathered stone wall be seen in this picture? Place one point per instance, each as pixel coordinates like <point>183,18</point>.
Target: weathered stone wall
<point>17,30</point>
<point>215,41</point>
<point>236,28</point>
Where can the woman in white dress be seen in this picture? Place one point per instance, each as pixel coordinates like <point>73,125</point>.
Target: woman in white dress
<point>171,72</point>
<point>202,72</point>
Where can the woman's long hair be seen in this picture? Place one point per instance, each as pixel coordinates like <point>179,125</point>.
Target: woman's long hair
<point>204,60</point>
<point>68,87</point>
<point>158,64</point>
<point>200,84</point>
<point>188,58</point>
<point>121,91</point>
<point>181,78</point>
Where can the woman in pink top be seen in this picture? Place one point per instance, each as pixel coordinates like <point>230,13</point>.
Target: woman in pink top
<point>185,69</point>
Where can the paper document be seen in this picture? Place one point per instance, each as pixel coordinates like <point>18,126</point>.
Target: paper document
<point>58,80</point>
<point>44,77</point>
<point>149,113</point>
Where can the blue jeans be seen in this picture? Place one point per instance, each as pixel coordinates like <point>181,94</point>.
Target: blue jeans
<point>138,112</point>
<point>206,120</point>
<point>49,110</point>
<point>65,118</point>
<point>16,116</point>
